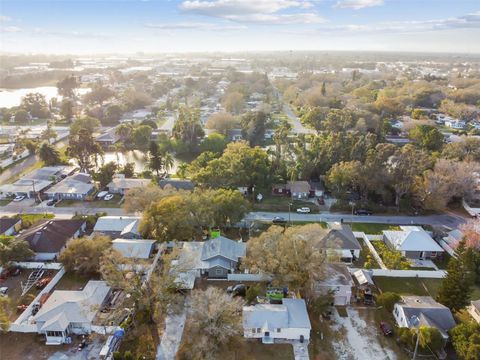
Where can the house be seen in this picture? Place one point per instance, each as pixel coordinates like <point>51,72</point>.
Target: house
<point>413,242</point>
<point>124,227</point>
<point>221,256</point>
<point>36,182</point>
<point>177,184</point>
<point>107,138</point>
<point>74,187</point>
<point>9,226</point>
<point>340,242</point>
<point>120,184</point>
<point>48,238</point>
<point>235,135</point>
<point>70,312</point>
<point>474,310</point>
<point>338,282</point>
<point>455,124</point>
<point>286,321</point>
<point>413,311</point>
<point>281,189</point>
<point>299,189</point>
<point>134,248</point>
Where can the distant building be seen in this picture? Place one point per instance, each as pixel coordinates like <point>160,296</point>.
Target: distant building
<point>107,138</point>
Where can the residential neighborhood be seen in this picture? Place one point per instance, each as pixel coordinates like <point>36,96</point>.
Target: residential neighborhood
<point>234,179</point>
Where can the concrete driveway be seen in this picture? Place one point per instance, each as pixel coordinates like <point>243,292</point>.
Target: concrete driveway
<point>172,335</point>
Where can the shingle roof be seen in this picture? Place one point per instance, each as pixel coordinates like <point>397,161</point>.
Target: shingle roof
<point>340,236</point>
<point>50,236</point>
<point>221,246</point>
<point>429,312</point>
<point>76,184</point>
<point>65,306</point>
<point>7,223</point>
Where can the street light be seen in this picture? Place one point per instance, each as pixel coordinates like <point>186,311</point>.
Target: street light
<point>414,320</point>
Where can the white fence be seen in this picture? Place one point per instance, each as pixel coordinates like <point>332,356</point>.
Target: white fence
<point>22,324</point>
<point>248,277</point>
<point>374,253</point>
<point>447,248</point>
<point>470,210</point>
<point>426,274</point>
<point>34,265</point>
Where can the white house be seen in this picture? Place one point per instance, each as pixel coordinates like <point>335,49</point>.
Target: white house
<point>413,242</point>
<point>338,282</point>
<point>474,310</point>
<point>9,226</point>
<point>125,227</point>
<point>455,124</point>
<point>70,312</point>
<point>286,321</point>
<point>414,311</point>
<point>120,184</point>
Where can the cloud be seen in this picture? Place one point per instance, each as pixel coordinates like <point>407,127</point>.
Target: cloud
<point>70,34</point>
<point>195,26</point>
<point>254,11</point>
<point>358,4</point>
<point>10,29</point>
<point>5,18</point>
<point>469,21</point>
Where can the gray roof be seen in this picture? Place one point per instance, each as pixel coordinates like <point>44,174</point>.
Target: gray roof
<point>79,183</point>
<point>177,184</point>
<point>117,224</point>
<point>412,238</point>
<point>221,246</point>
<point>476,304</point>
<point>429,312</point>
<point>340,236</point>
<point>292,313</point>
<point>336,274</point>
<point>6,223</point>
<point>127,183</point>
<point>134,248</point>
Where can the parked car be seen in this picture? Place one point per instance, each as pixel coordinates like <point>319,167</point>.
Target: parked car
<point>108,197</point>
<point>363,212</point>
<point>279,220</point>
<point>303,210</point>
<point>52,202</point>
<point>19,198</point>
<point>237,290</point>
<point>102,194</point>
<point>386,329</point>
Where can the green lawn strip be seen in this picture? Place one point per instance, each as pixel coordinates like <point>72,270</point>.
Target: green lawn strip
<point>5,202</point>
<point>97,203</point>
<point>30,219</point>
<point>372,228</point>
<point>408,286</point>
<point>72,281</point>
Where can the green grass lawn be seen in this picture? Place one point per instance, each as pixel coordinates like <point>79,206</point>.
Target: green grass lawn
<point>30,219</point>
<point>408,286</point>
<point>373,229</point>
<point>72,281</point>
<point>5,202</point>
<point>97,203</point>
<point>360,262</point>
<point>280,203</point>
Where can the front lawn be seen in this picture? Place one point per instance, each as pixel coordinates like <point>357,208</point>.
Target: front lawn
<point>372,228</point>
<point>280,203</point>
<point>253,349</point>
<point>408,286</point>
<point>97,203</point>
<point>30,219</point>
<point>5,202</point>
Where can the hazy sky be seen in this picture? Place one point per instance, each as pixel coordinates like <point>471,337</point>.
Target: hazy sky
<point>126,26</point>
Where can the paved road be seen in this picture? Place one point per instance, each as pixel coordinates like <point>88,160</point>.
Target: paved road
<point>449,220</point>
<point>297,126</point>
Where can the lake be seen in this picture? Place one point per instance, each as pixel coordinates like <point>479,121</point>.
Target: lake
<point>10,98</point>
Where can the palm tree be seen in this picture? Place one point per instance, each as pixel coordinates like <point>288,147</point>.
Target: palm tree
<point>182,169</point>
<point>168,162</point>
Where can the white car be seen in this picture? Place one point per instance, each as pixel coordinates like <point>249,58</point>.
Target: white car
<point>19,198</point>
<point>108,197</point>
<point>303,210</point>
<point>102,194</point>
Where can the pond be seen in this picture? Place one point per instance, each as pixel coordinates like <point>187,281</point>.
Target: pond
<point>133,156</point>
<point>10,98</point>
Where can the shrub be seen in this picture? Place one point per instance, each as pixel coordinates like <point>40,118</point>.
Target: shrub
<point>388,300</point>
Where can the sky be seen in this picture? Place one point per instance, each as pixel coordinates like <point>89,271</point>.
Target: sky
<point>154,26</point>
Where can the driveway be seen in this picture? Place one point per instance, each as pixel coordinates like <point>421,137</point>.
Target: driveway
<point>358,339</point>
<point>172,336</point>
